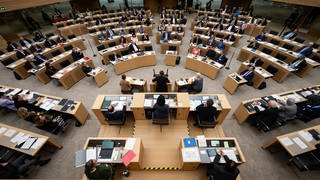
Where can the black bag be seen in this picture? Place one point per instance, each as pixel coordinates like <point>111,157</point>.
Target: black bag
<point>17,76</point>
<point>178,60</point>
<point>262,85</point>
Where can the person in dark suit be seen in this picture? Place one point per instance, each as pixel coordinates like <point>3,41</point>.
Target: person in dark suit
<point>50,70</point>
<point>261,37</point>
<point>290,34</point>
<point>218,26</point>
<point>211,41</point>
<point>124,18</point>
<point>256,61</point>
<point>145,37</point>
<point>11,46</point>
<point>227,171</point>
<point>38,36</point>
<point>39,58</point>
<point>221,45</point>
<point>76,54</point>
<point>240,30</point>
<point>174,20</point>
<point>21,53</point>
<point>72,15</point>
<point>197,40</point>
<point>147,22</point>
<point>248,73</point>
<point>254,45</point>
<point>35,48</point>
<point>111,33</point>
<point>161,82</point>
<point>113,115</point>
<point>163,16</point>
<point>132,30</point>
<point>231,28</point>
<point>211,53</point>
<point>61,39</point>
<point>133,47</point>
<point>200,24</point>
<point>230,37</point>
<point>160,109</point>
<point>206,112</point>
<point>85,68</point>
<point>99,21</point>
<point>263,22</point>
<point>268,116</point>
<point>196,85</point>
<point>299,63</point>
<point>122,40</point>
<point>179,29</point>
<point>306,50</point>
<point>210,32</point>
<point>222,59</point>
<point>49,43</point>
<point>25,42</point>
<point>165,35</point>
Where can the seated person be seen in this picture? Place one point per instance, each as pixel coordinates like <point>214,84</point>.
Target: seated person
<point>141,30</point>
<point>133,47</point>
<point>290,34</point>
<point>197,40</point>
<point>227,171</point>
<point>206,112</point>
<point>25,42</point>
<point>254,44</point>
<point>114,57</point>
<point>161,109</point>
<point>287,110</point>
<point>211,53</point>
<point>169,28</point>
<point>99,21</point>
<point>20,101</point>
<point>20,53</point>
<point>11,46</point>
<point>61,39</point>
<point>6,102</point>
<point>210,32</point>
<point>40,58</point>
<point>147,22</point>
<point>268,116</point>
<point>110,32</point>
<point>103,35</point>
<point>76,54</point>
<point>248,73</point>
<point>262,22</point>
<point>123,40</point>
<point>95,171</point>
<point>35,48</point>
<point>43,122</point>
<point>231,28</point>
<point>219,27</point>
<point>38,36</point>
<point>161,27</point>
<point>256,61</point>
<point>230,37</point>
<point>306,50</point>
<point>18,167</point>
<point>49,43</point>
<point>261,37</point>
<point>31,63</point>
<point>220,45</point>
<point>132,30</point>
<point>161,82</point>
<point>27,115</point>
<point>240,30</point>
<point>113,115</point>
<point>125,85</point>
<point>299,63</point>
<point>124,18</point>
<point>85,68</point>
<point>196,84</point>
<point>50,70</point>
<point>173,20</point>
<point>200,24</point>
<point>179,29</point>
<point>122,32</point>
<point>134,38</point>
<point>145,37</point>
<point>196,51</point>
<point>165,35</point>
<point>211,41</point>
<point>221,58</point>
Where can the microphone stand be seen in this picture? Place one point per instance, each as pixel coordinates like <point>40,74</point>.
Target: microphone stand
<point>228,66</point>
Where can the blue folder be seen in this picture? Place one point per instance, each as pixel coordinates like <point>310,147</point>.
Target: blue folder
<point>189,142</point>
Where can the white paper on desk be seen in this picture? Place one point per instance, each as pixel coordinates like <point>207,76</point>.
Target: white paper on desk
<point>4,89</point>
<point>28,143</point>
<point>14,92</point>
<point>118,105</point>
<point>138,82</point>
<point>24,92</point>
<point>130,142</point>
<point>300,143</point>
<point>91,153</point>
<point>231,155</point>
<point>147,102</point>
<point>39,142</point>
<point>202,141</point>
<point>123,98</point>
<point>18,137</point>
<point>286,141</point>
<point>306,136</point>
<point>10,133</point>
<point>2,130</point>
<point>190,154</point>
<point>205,98</point>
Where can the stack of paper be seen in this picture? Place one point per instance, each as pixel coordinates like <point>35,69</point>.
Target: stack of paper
<point>190,154</point>
<point>148,102</point>
<point>202,141</point>
<point>130,143</point>
<point>231,155</point>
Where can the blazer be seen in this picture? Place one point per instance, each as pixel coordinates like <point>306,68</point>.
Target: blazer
<point>219,172</point>
<point>219,27</point>
<point>131,47</point>
<point>206,113</point>
<point>76,55</point>
<point>232,28</point>
<point>116,115</point>
<point>39,58</point>
<point>164,34</point>
<point>98,22</point>
<point>22,42</point>
<point>222,59</point>
<point>251,45</point>
<point>22,54</point>
<point>230,38</point>
<point>305,50</point>
<point>145,38</point>
<point>161,83</point>
<point>249,76</point>
<point>261,38</point>
<point>12,47</point>
<point>197,85</point>
<point>221,46</point>
<point>160,112</point>
<point>197,40</point>
<point>268,116</point>
<point>49,43</point>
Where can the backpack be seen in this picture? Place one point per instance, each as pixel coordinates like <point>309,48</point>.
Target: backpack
<point>17,76</point>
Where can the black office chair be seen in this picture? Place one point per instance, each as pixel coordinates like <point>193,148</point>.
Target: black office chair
<point>60,25</point>
<point>92,30</point>
<point>65,63</point>
<point>267,51</point>
<point>219,35</point>
<point>112,44</point>
<point>299,40</point>
<point>100,47</point>
<point>271,69</point>
<point>102,28</point>
<point>55,53</point>
<point>148,48</point>
<point>198,32</point>
<point>125,52</point>
<point>288,46</point>
<point>69,23</point>
<point>164,121</point>
<point>281,57</point>
<point>307,161</point>
<point>211,123</point>
<point>111,57</point>
<point>7,61</point>
<point>275,42</point>
<point>79,21</point>
<point>315,45</point>
<point>172,48</point>
<point>274,32</point>
<point>68,48</point>
<point>117,122</point>
<point>49,35</point>
<point>71,36</point>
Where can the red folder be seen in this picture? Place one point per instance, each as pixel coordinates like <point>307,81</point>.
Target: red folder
<point>128,157</point>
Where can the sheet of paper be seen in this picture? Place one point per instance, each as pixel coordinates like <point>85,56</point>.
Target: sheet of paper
<point>306,136</point>
<point>300,143</point>
<point>29,142</point>
<point>190,154</point>
<point>18,137</point>
<point>123,98</point>
<point>286,141</point>
<point>214,143</point>
<point>10,133</point>
<point>38,143</point>
<point>202,141</point>
<point>226,144</point>
<point>231,154</point>
<point>130,143</point>
<point>147,102</point>
<point>2,130</point>
<point>91,153</point>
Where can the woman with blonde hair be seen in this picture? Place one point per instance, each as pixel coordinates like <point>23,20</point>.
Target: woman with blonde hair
<point>23,113</point>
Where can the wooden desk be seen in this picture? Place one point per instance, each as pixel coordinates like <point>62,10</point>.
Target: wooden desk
<point>205,38</point>
<point>73,73</point>
<point>170,58</point>
<point>260,74</point>
<point>165,45</point>
<point>76,29</point>
<point>231,84</point>
<point>153,86</point>
<point>99,75</point>
<point>138,84</point>
<point>182,83</point>
<point>291,141</point>
<point>133,61</point>
<point>136,163</point>
<point>172,35</point>
<point>11,141</point>
<point>202,65</point>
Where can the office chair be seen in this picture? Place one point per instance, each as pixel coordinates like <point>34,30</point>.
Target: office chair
<point>288,46</point>
<point>112,27</point>
<point>299,40</point>
<point>111,57</point>
<point>184,21</point>
<point>275,42</point>
<point>315,45</point>
<point>7,61</point>
<point>274,32</point>
<point>69,23</point>
<point>118,122</point>
<point>271,69</point>
<point>267,51</point>
<point>316,58</point>
<point>92,30</point>
<point>198,32</point>
<point>125,52</point>
<point>100,47</point>
<point>71,36</point>
<point>102,28</point>
<point>307,161</point>
<point>164,121</point>
<point>211,123</point>
<point>172,48</point>
<point>219,35</point>
<point>281,57</point>
<point>68,48</point>
<point>60,25</point>
<point>65,63</point>
<point>55,53</point>
<point>1,53</point>
<point>148,48</point>
<point>79,21</point>
<point>112,44</point>
<point>49,35</point>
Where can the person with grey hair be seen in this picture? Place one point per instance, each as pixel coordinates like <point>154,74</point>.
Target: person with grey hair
<point>287,110</point>
<point>197,84</point>
<point>266,117</point>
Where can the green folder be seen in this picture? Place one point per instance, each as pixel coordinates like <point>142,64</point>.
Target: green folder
<point>106,144</point>
<point>105,104</point>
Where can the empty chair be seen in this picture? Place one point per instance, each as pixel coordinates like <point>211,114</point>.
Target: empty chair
<point>172,48</point>
<point>71,36</point>
<point>299,40</point>
<point>112,44</point>
<point>92,30</point>
<point>281,57</point>
<point>272,69</point>
<point>267,51</point>
<point>69,23</point>
<point>220,35</point>
<point>125,52</point>
<point>55,53</point>
<point>68,48</point>
<point>1,53</point>
<point>288,46</point>
<point>307,161</point>
<point>129,24</point>
<point>65,63</point>
<point>148,48</point>
<point>7,61</point>
<point>274,32</point>
<point>275,42</point>
<point>102,28</point>
<point>49,35</point>
<point>100,47</point>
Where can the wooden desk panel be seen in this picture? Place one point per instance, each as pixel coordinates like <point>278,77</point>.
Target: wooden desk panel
<point>202,67</point>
